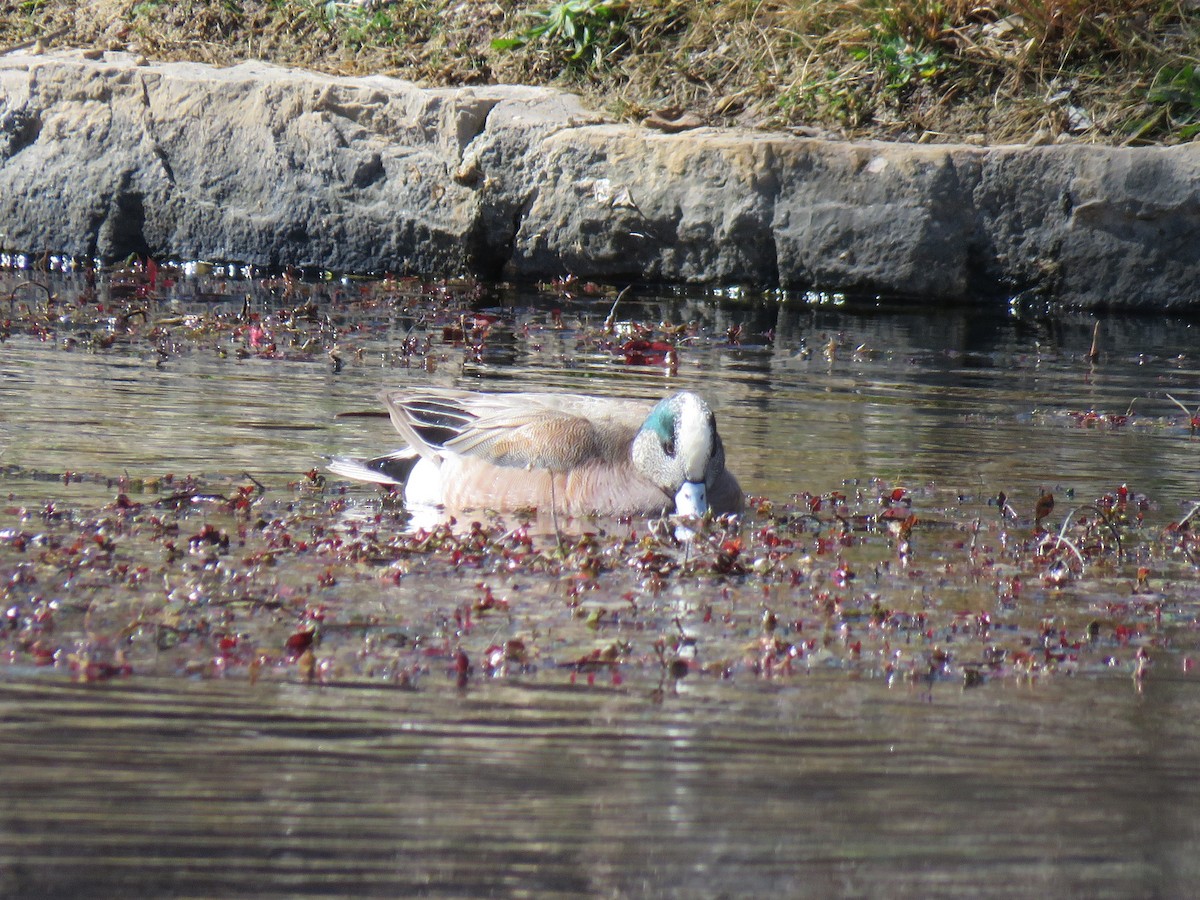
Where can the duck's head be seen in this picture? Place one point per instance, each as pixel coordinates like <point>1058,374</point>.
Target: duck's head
<point>678,448</point>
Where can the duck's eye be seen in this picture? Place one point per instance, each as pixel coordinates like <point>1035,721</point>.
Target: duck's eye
<point>669,446</point>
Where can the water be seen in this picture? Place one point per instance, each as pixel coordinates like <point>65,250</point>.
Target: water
<point>960,398</point>
<point>821,788</point>
<point>912,766</point>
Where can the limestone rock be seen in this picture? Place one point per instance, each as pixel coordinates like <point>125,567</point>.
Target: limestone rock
<point>252,163</point>
<point>271,166</point>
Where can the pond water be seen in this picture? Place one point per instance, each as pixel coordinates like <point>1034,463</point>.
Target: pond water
<point>223,674</point>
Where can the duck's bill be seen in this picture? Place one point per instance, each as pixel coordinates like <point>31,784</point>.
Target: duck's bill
<point>691,499</point>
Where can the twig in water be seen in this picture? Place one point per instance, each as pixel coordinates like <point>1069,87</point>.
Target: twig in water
<point>1193,417</point>
<point>1186,411</point>
<point>1103,518</point>
<point>801,517</point>
<point>12,297</point>
<point>1191,512</point>
<point>1094,354</point>
<point>1061,538</point>
<point>610,322</point>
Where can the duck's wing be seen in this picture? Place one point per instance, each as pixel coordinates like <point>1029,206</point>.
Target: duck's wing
<point>559,432</point>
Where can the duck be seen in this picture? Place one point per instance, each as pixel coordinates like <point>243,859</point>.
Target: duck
<point>571,454</point>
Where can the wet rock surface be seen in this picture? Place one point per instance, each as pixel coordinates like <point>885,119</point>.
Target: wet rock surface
<point>109,156</point>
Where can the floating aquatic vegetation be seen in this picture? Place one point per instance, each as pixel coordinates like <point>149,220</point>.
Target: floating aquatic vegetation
<point>310,580</point>
<point>302,581</point>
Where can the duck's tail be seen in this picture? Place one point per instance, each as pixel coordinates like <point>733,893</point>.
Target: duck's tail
<point>392,468</point>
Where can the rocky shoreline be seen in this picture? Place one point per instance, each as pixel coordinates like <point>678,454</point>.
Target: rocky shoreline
<point>106,155</point>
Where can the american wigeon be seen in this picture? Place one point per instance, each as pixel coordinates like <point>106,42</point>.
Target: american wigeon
<point>581,455</point>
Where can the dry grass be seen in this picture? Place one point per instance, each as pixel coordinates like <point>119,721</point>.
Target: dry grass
<point>1111,71</point>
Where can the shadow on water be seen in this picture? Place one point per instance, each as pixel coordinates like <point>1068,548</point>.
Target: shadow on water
<point>945,723</point>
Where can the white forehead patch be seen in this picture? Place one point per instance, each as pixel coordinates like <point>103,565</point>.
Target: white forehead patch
<point>694,437</point>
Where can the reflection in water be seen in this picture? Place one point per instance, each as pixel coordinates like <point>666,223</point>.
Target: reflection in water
<point>809,398</point>
<point>818,786</point>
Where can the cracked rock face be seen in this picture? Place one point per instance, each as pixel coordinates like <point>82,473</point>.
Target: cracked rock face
<point>252,163</point>
<point>271,166</point>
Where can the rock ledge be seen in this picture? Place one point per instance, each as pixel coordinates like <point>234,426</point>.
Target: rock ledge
<point>108,156</point>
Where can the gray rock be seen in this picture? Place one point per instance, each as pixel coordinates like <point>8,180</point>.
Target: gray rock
<point>273,167</point>
<point>252,163</point>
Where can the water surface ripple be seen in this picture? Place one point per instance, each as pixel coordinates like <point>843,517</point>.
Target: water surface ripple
<point>823,788</point>
<point>838,780</point>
